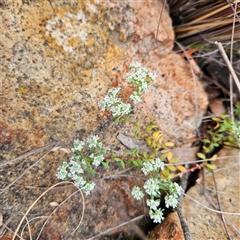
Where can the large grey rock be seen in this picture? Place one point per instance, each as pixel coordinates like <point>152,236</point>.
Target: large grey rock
<point>59,58</point>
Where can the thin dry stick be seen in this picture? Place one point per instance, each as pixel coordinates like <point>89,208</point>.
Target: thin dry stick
<point>31,221</point>
<point>120,225</point>
<point>35,151</point>
<point>230,68</point>
<point>160,16</point>
<point>220,206</point>
<point>229,222</point>
<point>210,209</point>
<point>54,212</point>
<point>231,60</point>
<point>29,229</point>
<point>29,209</point>
<point>26,170</point>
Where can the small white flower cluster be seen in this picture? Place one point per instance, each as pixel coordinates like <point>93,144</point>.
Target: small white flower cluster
<point>141,78</point>
<point>153,186</point>
<point>78,163</point>
<point>115,104</point>
<point>155,165</point>
<point>236,131</point>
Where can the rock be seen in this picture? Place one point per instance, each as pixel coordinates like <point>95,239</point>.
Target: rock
<point>169,229</point>
<point>205,224</point>
<point>59,60</point>
<point>217,107</point>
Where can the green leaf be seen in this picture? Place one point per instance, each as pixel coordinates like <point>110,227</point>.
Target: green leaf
<point>135,151</point>
<point>149,141</point>
<point>105,164</point>
<point>162,187</point>
<point>135,163</point>
<point>112,153</point>
<point>210,166</point>
<point>223,116</point>
<point>137,129</point>
<point>150,127</point>
<point>173,160</point>
<point>144,154</point>
<point>91,171</point>
<point>140,163</point>
<point>206,140</point>
<point>171,168</point>
<point>163,156</point>
<point>117,119</point>
<point>165,172</point>
<point>117,159</point>
<point>122,164</point>
<point>201,155</point>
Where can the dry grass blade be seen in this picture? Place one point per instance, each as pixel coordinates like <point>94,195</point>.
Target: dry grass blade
<point>29,209</point>
<point>196,21</point>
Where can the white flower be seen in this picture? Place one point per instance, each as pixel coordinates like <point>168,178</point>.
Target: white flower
<point>88,187</point>
<point>147,168</point>
<point>137,193</point>
<point>97,160</point>
<point>171,201</point>
<point>174,188</point>
<point>156,215</point>
<point>78,145</point>
<point>134,65</point>
<point>178,189</point>
<point>158,164</point>
<point>75,167</point>
<point>62,173</point>
<point>93,141</point>
<point>79,181</point>
<point>153,204</point>
<point>151,187</point>
<point>135,98</point>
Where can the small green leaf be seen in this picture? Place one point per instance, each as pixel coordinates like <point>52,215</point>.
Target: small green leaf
<point>117,159</point>
<point>135,163</point>
<point>144,154</point>
<point>163,156</point>
<point>206,140</point>
<point>140,163</point>
<point>150,127</point>
<point>117,119</point>
<point>105,164</point>
<point>171,168</point>
<point>149,141</point>
<point>201,155</point>
<point>173,160</point>
<point>210,166</point>
<point>122,164</point>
